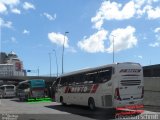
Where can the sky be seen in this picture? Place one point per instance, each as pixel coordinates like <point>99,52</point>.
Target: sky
<point>36,31</point>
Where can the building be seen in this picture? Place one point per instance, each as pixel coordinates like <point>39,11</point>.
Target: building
<point>3,58</point>
<point>11,65</point>
<point>151,70</point>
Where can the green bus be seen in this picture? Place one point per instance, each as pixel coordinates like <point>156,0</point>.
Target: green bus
<point>31,89</point>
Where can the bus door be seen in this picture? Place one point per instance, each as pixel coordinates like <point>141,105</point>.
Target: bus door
<point>58,90</point>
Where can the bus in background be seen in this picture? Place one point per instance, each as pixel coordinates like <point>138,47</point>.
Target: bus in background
<point>108,86</point>
<point>31,89</point>
<point>7,91</point>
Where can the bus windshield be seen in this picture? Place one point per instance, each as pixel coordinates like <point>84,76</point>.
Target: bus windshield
<point>9,87</point>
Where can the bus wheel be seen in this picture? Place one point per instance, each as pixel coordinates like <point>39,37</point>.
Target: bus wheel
<point>91,104</point>
<point>61,101</point>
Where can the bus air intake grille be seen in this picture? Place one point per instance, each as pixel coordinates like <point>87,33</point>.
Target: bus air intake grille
<point>130,82</point>
<point>106,100</point>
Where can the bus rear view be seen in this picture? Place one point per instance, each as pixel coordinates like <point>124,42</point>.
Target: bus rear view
<point>37,88</point>
<point>128,85</point>
<point>31,89</point>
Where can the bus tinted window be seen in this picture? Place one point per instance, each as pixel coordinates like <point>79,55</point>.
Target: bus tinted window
<point>23,86</point>
<point>91,77</point>
<point>79,79</point>
<point>9,87</point>
<point>62,81</point>
<point>104,75</point>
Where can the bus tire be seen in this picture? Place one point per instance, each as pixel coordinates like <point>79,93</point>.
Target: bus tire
<point>61,101</point>
<point>91,104</point>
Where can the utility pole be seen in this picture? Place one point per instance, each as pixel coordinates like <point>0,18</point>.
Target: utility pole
<point>50,64</point>
<point>63,50</point>
<point>56,60</point>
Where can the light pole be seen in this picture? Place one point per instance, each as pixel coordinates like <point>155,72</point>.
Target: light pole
<point>113,47</point>
<point>50,63</point>
<point>56,60</point>
<point>63,49</point>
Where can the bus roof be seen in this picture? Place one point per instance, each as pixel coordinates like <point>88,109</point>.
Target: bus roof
<point>94,68</point>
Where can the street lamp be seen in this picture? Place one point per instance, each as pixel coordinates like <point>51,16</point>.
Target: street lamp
<point>63,49</point>
<point>50,62</point>
<point>56,60</point>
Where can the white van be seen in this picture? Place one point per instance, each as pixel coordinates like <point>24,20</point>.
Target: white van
<point>7,91</point>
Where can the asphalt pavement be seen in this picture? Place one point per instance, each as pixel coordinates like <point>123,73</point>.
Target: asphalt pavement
<point>13,109</point>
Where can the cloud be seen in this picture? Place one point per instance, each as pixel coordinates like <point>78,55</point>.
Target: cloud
<point>10,2</point>
<point>58,39</point>
<point>95,43</point>
<point>28,6</point>
<point>141,57</point>
<point>157,36</point>
<point>157,30</point>
<point>72,50</point>
<point>3,8</point>
<point>124,39</point>
<point>7,24</point>
<point>156,44</point>
<point>26,31</point>
<point>154,13</point>
<point>13,40</point>
<point>16,11</point>
<point>116,11</point>
<point>50,17</point>
<point>147,7</point>
<point>112,10</point>
<point>5,4</point>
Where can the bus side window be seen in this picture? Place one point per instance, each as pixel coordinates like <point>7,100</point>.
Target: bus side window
<point>79,79</point>
<point>70,80</point>
<point>91,77</point>
<point>66,81</point>
<point>105,75</point>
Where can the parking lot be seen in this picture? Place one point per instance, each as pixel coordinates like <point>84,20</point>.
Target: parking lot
<point>13,109</point>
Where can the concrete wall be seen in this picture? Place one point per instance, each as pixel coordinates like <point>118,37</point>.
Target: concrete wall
<point>152,91</point>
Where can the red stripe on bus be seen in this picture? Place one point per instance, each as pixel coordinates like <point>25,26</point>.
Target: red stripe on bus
<point>94,88</point>
<point>66,90</point>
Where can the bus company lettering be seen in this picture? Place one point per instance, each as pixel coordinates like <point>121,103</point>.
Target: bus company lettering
<point>130,70</point>
<point>81,89</point>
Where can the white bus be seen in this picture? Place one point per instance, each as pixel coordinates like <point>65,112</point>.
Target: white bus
<point>7,91</point>
<point>108,86</point>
